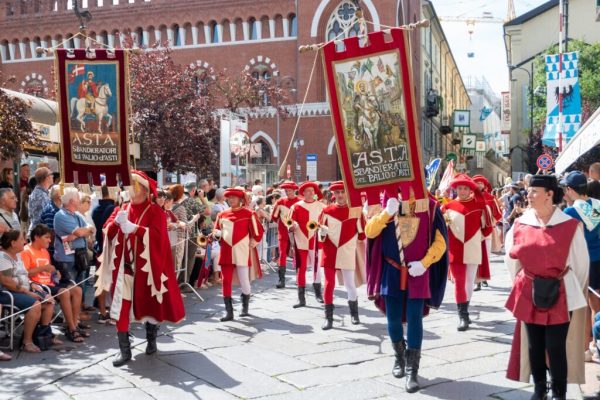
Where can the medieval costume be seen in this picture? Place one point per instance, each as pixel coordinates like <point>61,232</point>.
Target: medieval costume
<point>549,264</point>
<point>239,232</point>
<point>406,275</point>
<point>137,267</point>
<point>304,213</point>
<point>492,208</point>
<point>466,218</point>
<point>341,231</point>
<point>279,215</point>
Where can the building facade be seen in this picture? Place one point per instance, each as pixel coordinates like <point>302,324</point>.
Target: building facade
<point>261,37</point>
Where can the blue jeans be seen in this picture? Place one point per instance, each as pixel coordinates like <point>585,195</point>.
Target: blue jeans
<point>414,319</point>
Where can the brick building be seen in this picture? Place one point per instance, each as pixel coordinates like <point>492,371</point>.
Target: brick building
<point>258,36</point>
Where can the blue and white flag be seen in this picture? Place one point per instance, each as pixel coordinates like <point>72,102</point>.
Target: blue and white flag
<point>571,98</point>
<point>485,112</point>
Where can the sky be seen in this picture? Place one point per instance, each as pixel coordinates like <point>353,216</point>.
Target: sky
<point>487,40</point>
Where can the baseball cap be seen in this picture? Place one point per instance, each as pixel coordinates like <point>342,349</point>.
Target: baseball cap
<point>575,179</point>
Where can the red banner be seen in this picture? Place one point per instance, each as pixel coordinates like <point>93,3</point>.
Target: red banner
<point>373,110</point>
<point>93,99</point>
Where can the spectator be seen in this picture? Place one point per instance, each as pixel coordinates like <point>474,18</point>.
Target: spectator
<point>173,224</point>
<point>40,196</point>
<point>24,172</point>
<point>178,194</point>
<point>22,206</point>
<point>257,191</point>
<point>70,228</point>
<point>594,171</point>
<point>6,178</point>
<point>194,210</point>
<point>14,278</point>
<point>85,204</point>
<point>594,189</point>
<point>36,259</point>
<point>50,211</point>
<point>220,204</point>
<point>160,198</point>
<point>263,214</point>
<point>8,217</point>
<point>583,209</point>
<point>202,193</point>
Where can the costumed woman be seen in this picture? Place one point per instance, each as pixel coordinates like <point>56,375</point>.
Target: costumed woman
<point>137,267</point>
<point>341,230</point>
<point>238,231</point>
<point>407,270</point>
<point>547,257</point>
<point>279,215</point>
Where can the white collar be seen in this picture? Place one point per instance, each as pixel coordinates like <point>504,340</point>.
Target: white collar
<point>529,218</point>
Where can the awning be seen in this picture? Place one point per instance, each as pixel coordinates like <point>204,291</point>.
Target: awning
<point>584,140</point>
<point>42,111</point>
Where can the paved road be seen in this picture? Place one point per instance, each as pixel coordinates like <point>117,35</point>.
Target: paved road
<point>281,353</point>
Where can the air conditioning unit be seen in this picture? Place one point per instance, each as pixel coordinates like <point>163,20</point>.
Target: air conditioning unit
<point>456,137</point>
<point>445,128</point>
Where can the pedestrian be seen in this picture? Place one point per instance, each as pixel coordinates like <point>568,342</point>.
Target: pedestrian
<point>194,211</point>
<point>136,266</point>
<point>594,171</point>
<point>547,257</point>
<point>304,215</point>
<point>587,211</point>
<point>407,275</point>
<point>280,215</point>
<point>9,220</point>
<point>342,232</point>
<point>238,232</point>
<point>7,178</point>
<point>40,196</point>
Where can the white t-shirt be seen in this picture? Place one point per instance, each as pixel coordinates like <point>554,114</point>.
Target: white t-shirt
<point>16,268</point>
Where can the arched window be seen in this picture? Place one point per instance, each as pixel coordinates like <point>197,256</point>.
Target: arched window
<point>266,154</point>
<point>253,28</point>
<point>176,38</point>
<point>293,25</point>
<point>214,29</point>
<point>343,19</point>
<point>139,37</point>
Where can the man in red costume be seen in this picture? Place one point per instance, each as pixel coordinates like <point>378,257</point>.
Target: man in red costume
<point>239,232</point>
<point>466,216</point>
<point>301,213</point>
<point>341,230</point>
<point>137,267</point>
<point>280,214</point>
<point>483,272</point>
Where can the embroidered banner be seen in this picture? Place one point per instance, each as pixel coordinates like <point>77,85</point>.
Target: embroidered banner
<point>373,111</point>
<point>571,98</point>
<point>93,99</point>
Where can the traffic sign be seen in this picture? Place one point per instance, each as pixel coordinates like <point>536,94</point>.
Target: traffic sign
<point>545,162</point>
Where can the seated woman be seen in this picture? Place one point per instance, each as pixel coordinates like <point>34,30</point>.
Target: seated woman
<point>13,278</point>
<point>37,262</point>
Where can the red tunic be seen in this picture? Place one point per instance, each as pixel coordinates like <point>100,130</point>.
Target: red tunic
<point>303,212</point>
<point>466,220</point>
<point>346,226</point>
<point>151,285</point>
<point>543,252</point>
<point>280,213</point>
<point>493,210</point>
<point>237,228</point>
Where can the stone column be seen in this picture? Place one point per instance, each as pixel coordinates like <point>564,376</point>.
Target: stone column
<point>246,31</point>
<point>170,36</point>
<point>157,35</point>
<point>232,31</point>
<point>12,51</point>
<point>258,25</point>
<point>272,28</point>
<point>207,34</point>
<point>45,45</point>
<point>3,52</point>
<point>194,35</point>
<point>182,35</point>
<point>220,32</point>
<point>32,46</point>
<point>286,27</point>
<point>77,42</point>
<point>111,40</point>
<point>22,48</point>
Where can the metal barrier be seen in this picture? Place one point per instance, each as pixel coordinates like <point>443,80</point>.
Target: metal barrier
<point>268,244</point>
<point>182,267</point>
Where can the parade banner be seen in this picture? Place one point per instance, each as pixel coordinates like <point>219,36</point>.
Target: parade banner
<point>571,98</point>
<point>373,112</point>
<point>93,99</point>
<point>505,123</point>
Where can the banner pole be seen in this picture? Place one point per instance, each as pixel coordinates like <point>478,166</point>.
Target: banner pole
<point>560,69</point>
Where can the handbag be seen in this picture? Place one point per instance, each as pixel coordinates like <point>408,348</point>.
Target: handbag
<point>42,337</point>
<point>545,291</point>
<point>82,261</point>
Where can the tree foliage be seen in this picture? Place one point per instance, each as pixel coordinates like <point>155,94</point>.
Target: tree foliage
<point>16,130</point>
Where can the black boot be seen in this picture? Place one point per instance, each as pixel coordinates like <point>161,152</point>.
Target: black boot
<point>151,333</point>
<point>413,357</point>
<point>477,287</point>
<point>125,348</point>
<point>467,314</point>
<point>540,392</point>
<point>318,294</point>
<point>463,317</point>
<point>228,309</point>
<point>245,304</point>
<point>281,273</point>
<point>559,390</point>
<point>399,370</point>
<point>354,312</point>
<point>328,324</point>
<point>301,298</point>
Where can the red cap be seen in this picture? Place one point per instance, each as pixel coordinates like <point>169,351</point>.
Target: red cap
<point>309,184</point>
<point>144,180</point>
<point>338,185</point>
<point>235,192</point>
<point>482,179</point>
<point>463,180</point>
<point>289,185</point>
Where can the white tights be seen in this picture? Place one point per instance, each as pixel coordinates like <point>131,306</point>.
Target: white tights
<point>243,274</point>
<point>349,283</point>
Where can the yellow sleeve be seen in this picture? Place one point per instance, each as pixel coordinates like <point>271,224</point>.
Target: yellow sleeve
<point>376,224</point>
<point>435,251</point>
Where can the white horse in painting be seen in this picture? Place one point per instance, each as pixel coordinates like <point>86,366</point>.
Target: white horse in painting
<point>101,108</point>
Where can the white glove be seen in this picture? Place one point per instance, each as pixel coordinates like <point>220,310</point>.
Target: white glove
<point>217,234</point>
<point>128,227</point>
<point>122,217</point>
<point>416,268</point>
<point>392,207</point>
<point>293,227</point>
<point>253,243</point>
<point>323,231</point>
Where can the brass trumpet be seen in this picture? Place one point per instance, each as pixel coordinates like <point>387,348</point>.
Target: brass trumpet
<point>288,222</point>
<point>202,240</point>
<point>312,226</point>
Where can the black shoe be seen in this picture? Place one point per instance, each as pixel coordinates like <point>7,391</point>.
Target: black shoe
<point>463,317</point>
<point>354,312</point>
<point>559,390</point>
<point>228,309</point>
<point>413,357</point>
<point>484,284</point>
<point>477,287</point>
<point>281,273</point>
<point>540,392</point>
<point>301,298</point>
<point>399,370</point>
<point>151,334</point>
<point>245,304</point>
<point>328,324</point>
<point>125,346</point>
<point>318,294</point>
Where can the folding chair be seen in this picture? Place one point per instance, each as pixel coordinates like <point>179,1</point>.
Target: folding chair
<point>12,322</point>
